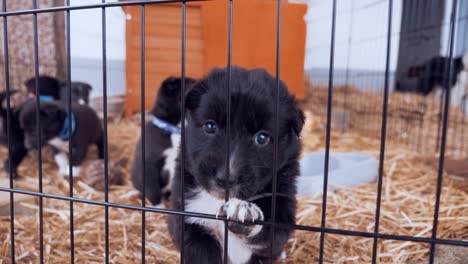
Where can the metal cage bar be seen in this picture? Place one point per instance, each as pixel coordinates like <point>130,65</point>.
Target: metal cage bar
<point>228,129</point>
<point>182,136</point>
<point>383,132</point>
<point>328,133</point>
<point>8,94</point>
<point>38,131</point>
<point>143,132</point>
<point>106,153</point>
<point>69,114</point>
<point>440,173</point>
<point>276,131</point>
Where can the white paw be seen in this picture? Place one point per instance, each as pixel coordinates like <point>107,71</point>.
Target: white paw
<point>62,161</point>
<point>161,205</point>
<point>241,211</point>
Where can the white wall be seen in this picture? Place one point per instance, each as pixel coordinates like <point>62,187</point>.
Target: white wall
<point>363,22</point>
<point>86,47</point>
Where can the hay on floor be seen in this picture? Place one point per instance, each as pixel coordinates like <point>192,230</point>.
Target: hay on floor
<point>407,209</point>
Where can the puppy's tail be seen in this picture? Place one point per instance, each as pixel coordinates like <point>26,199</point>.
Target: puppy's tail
<point>3,96</point>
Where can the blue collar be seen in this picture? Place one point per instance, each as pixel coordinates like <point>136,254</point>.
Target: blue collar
<point>46,98</point>
<point>64,132</point>
<point>165,126</point>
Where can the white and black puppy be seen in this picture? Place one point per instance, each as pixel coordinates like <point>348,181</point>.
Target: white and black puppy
<point>162,137</point>
<point>250,165</point>
<point>55,123</point>
<point>53,89</point>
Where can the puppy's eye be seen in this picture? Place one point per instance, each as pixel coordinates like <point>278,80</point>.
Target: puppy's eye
<point>262,138</point>
<point>210,127</point>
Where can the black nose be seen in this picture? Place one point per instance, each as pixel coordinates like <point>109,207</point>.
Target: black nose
<point>221,181</point>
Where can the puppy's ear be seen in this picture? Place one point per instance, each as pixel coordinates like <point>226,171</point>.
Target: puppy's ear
<point>193,96</point>
<point>298,121</point>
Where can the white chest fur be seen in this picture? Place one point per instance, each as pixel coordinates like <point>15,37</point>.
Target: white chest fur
<point>238,249</point>
<point>171,156</point>
<point>61,158</point>
<point>60,144</point>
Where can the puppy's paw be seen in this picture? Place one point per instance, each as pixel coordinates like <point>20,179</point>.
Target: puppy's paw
<point>245,213</point>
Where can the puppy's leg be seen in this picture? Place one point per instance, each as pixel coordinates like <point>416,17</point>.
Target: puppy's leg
<point>199,246</point>
<point>17,155</point>
<point>76,158</point>
<point>285,208</point>
<point>244,212</point>
<point>259,236</point>
<point>100,146</point>
<point>62,162</point>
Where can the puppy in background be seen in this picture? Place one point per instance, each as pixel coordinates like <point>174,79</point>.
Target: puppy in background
<point>162,137</point>
<point>55,123</point>
<point>253,124</point>
<point>53,89</point>
<point>18,150</point>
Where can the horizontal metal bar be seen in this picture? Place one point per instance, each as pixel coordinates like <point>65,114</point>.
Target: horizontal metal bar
<point>210,216</point>
<point>92,6</point>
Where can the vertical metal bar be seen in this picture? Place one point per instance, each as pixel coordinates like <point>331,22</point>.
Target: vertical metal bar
<point>328,129</point>
<point>143,135</point>
<point>228,128</point>
<point>70,170</point>
<point>38,132</point>
<point>182,139</point>
<point>10,171</point>
<point>444,130</point>
<point>106,154</point>
<point>383,132</point>
<point>276,132</point>
<point>348,59</point>
<point>439,120</point>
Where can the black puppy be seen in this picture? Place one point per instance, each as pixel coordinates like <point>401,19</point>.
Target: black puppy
<point>250,164</point>
<point>53,89</point>
<point>430,75</point>
<point>85,125</point>
<point>162,138</point>
<point>18,150</point>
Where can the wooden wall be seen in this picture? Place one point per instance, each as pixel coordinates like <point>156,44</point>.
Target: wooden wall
<point>254,43</point>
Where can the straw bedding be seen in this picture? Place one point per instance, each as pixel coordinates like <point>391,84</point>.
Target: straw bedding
<point>407,209</point>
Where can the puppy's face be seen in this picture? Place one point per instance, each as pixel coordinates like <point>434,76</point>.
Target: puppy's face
<point>252,132</point>
<point>80,92</point>
<point>168,99</point>
<point>51,117</point>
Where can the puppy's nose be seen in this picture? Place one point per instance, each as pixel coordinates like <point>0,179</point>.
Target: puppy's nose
<point>27,143</point>
<point>222,181</point>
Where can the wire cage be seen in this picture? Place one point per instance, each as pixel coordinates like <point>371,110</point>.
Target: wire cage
<point>349,102</point>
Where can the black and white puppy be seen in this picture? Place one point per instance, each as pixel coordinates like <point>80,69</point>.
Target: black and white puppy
<point>162,138</point>
<point>53,89</point>
<point>18,150</point>
<point>250,165</point>
<point>85,125</point>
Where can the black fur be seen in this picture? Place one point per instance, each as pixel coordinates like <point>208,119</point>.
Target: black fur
<point>167,108</point>
<point>58,89</point>
<point>252,110</point>
<point>88,128</point>
<point>18,150</point>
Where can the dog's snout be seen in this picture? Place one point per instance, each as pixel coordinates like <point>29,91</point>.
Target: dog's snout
<point>223,181</point>
<point>27,143</point>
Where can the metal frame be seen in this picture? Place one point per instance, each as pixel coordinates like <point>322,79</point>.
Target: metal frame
<point>322,229</point>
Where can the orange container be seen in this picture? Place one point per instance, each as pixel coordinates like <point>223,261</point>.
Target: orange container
<point>253,43</point>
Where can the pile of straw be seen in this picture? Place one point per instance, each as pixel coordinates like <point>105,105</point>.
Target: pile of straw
<point>407,209</point>
<point>412,120</point>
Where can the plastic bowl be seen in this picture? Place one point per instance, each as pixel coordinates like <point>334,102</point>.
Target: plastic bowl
<point>346,169</point>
